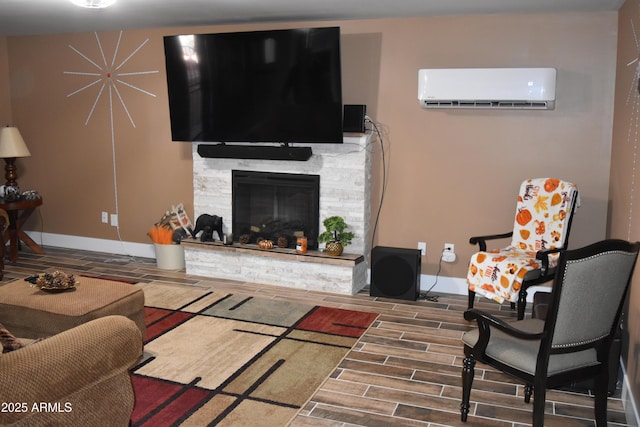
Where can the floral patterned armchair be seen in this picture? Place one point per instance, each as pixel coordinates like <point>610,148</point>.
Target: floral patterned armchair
<point>541,229</point>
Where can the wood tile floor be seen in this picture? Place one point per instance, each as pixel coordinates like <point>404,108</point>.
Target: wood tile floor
<point>405,371</point>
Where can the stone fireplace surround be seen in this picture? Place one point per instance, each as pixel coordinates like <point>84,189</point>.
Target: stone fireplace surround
<point>345,178</point>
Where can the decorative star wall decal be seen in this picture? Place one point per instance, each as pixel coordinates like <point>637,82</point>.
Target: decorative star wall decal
<point>108,75</point>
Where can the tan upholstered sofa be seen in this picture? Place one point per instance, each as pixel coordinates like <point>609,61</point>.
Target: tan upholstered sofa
<point>78,377</point>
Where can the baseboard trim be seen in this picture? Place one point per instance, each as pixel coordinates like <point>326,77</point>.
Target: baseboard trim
<point>93,244</point>
<point>440,284</point>
<point>458,286</point>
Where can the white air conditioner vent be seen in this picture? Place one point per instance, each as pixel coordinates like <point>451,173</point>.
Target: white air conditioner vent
<point>492,88</point>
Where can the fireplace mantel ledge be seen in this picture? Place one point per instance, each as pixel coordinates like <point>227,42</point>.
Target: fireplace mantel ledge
<point>318,257</point>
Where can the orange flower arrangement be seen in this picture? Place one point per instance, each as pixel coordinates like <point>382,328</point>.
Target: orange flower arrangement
<point>161,235</point>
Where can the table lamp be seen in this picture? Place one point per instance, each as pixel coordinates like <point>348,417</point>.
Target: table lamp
<point>12,146</point>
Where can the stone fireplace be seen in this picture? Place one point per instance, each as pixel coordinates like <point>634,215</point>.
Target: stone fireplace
<point>344,175</point>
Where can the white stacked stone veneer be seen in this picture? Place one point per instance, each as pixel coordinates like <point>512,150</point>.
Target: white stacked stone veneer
<point>345,177</point>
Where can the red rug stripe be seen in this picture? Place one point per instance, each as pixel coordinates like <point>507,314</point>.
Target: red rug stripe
<point>150,393</point>
<point>167,323</point>
<point>337,321</point>
<point>152,314</point>
<point>178,408</point>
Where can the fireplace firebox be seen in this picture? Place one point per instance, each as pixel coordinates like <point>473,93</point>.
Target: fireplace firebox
<point>275,206</point>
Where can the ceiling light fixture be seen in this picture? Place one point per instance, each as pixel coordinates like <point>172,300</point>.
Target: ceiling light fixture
<point>93,4</point>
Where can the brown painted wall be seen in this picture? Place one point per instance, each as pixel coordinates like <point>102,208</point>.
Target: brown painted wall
<point>5,100</point>
<point>450,174</point>
<point>624,219</point>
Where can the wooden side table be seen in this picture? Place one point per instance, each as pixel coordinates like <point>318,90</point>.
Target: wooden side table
<point>19,211</point>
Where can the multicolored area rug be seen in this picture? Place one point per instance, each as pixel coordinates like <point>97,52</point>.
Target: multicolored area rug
<point>225,359</point>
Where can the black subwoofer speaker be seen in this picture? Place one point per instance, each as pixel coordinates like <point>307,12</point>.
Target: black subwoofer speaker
<point>395,273</point>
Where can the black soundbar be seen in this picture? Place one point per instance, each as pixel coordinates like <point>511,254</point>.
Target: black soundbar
<point>256,152</point>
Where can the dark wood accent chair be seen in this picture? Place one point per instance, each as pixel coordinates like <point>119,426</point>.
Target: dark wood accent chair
<point>573,343</point>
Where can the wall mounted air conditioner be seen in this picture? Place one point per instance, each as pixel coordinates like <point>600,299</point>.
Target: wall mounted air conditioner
<point>498,88</point>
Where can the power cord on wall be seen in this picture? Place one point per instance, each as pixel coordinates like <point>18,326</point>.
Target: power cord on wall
<point>384,177</point>
<point>425,295</point>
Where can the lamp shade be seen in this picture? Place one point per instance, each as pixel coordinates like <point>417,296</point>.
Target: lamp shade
<point>12,144</point>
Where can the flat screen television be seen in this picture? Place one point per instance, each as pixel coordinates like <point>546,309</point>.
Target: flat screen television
<point>281,86</point>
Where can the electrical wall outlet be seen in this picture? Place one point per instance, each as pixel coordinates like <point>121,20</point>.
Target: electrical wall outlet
<point>114,220</point>
<point>423,248</point>
<point>448,253</point>
<point>105,218</point>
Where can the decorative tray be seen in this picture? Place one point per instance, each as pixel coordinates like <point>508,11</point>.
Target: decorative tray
<point>58,289</point>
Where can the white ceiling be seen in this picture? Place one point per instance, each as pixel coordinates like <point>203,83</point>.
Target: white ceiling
<point>26,17</point>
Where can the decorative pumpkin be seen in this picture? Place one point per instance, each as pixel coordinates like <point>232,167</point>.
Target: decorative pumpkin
<point>266,244</point>
<point>551,184</point>
<point>523,217</point>
<point>524,233</point>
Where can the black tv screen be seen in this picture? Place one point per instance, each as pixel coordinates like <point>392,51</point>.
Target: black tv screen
<point>279,86</point>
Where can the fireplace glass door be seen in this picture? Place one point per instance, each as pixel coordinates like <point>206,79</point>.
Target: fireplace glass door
<point>275,206</point>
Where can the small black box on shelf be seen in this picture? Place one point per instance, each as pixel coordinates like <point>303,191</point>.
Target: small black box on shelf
<point>353,118</point>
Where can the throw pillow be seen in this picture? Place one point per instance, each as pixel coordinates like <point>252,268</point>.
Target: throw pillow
<point>9,342</point>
